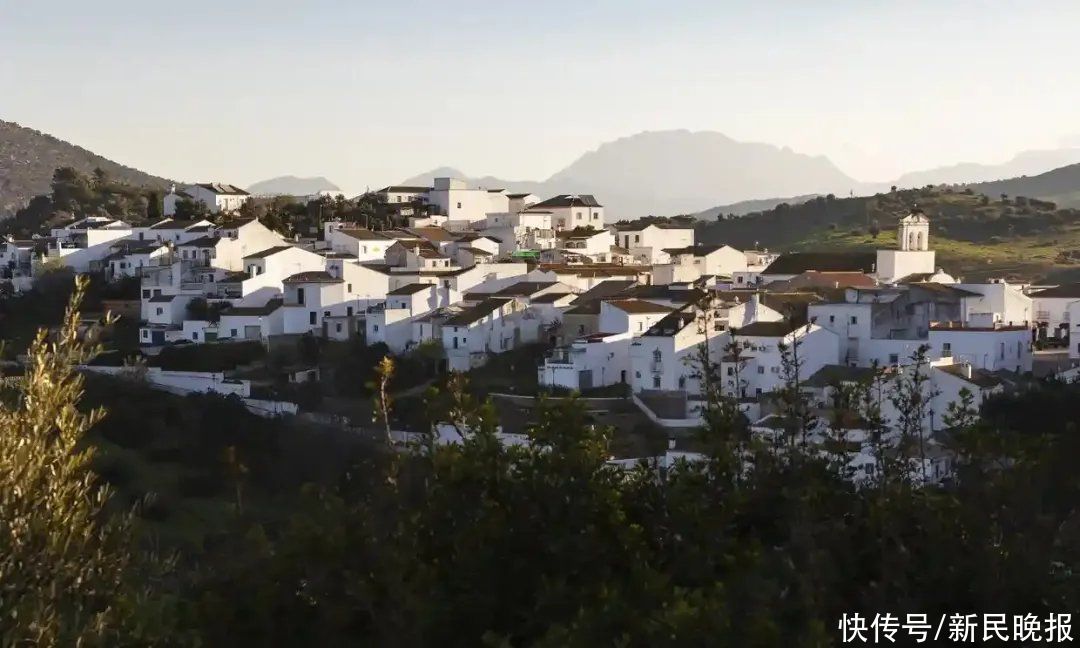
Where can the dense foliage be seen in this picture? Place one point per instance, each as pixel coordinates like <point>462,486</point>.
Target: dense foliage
<point>763,543</point>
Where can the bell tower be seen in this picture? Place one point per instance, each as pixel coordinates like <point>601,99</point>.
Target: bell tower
<point>914,234</point>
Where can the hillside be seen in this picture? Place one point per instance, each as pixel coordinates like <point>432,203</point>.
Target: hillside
<point>1022,164</point>
<point>745,207</point>
<point>290,185</point>
<point>975,236</point>
<point>678,172</point>
<point>1061,186</point>
<point>28,159</point>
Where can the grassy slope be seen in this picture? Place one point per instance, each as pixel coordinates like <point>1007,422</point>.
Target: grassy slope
<point>972,239</point>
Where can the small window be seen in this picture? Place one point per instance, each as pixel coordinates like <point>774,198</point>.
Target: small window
<point>832,319</point>
<point>312,316</point>
<point>761,370</point>
<point>459,205</point>
<point>375,328</point>
<point>160,311</point>
<point>348,311</point>
<point>232,332</point>
<point>581,329</point>
<point>637,374</point>
<point>656,382</point>
<point>731,371</point>
<point>194,335</point>
<point>682,382</point>
<point>337,327</point>
<point>854,319</point>
<point>894,358</point>
<point>146,294</point>
<point>146,334</point>
<point>348,287</point>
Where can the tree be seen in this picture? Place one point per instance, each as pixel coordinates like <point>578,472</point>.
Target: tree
<point>189,209</point>
<point>384,373</point>
<point>69,571</point>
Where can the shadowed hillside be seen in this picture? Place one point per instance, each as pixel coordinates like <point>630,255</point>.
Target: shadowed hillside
<point>28,159</point>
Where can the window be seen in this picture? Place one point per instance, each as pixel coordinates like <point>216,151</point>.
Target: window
<point>348,287</point>
<point>455,343</point>
<point>1019,348</point>
<point>194,335</point>
<point>146,294</point>
<point>657,356</point>
<point>232,332</point>
<point>639,325</point>
<point>731,371</point>
<point>348,311</point>
<point>1001,352</point>
<point>854,319</point>
<point>337,327</point>
<point>637,374</point>
<point>832,319</point>
<point>300,297</point>
<point>312,316</point>
<point>595,216</point>
<point>375,328</point>
<point>682,382</point>
<point>581,329</point>
<point>761,370</point>
<point>160,311</point>
<point>894,358</point>
<point>146,334</point>
<point>758,391</point>
<point>637,238</point>
<point>946,349</point>
<point>459,205</point>
<point>656,382</point>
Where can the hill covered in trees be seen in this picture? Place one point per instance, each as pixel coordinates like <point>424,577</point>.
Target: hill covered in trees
<point>1060,185</point>
<point>28,159</point>
<point>975,235</point>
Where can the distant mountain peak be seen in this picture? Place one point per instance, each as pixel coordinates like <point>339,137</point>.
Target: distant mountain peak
<point>290,185</point>
<point>668,172</point>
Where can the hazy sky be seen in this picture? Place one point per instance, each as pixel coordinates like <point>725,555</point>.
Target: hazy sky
<point>368,93</point>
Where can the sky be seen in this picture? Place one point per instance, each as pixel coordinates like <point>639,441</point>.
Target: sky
<point>370,93</point>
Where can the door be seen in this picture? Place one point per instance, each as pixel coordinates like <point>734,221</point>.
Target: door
<point>157,337</point>
<point>585,379</point>
<point>252,332</point>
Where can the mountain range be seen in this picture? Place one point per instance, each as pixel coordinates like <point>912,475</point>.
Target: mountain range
<point>680,172</point>
<point>657,172</point>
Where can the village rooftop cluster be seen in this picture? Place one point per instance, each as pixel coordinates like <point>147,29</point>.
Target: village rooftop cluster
<point>479,272</point>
